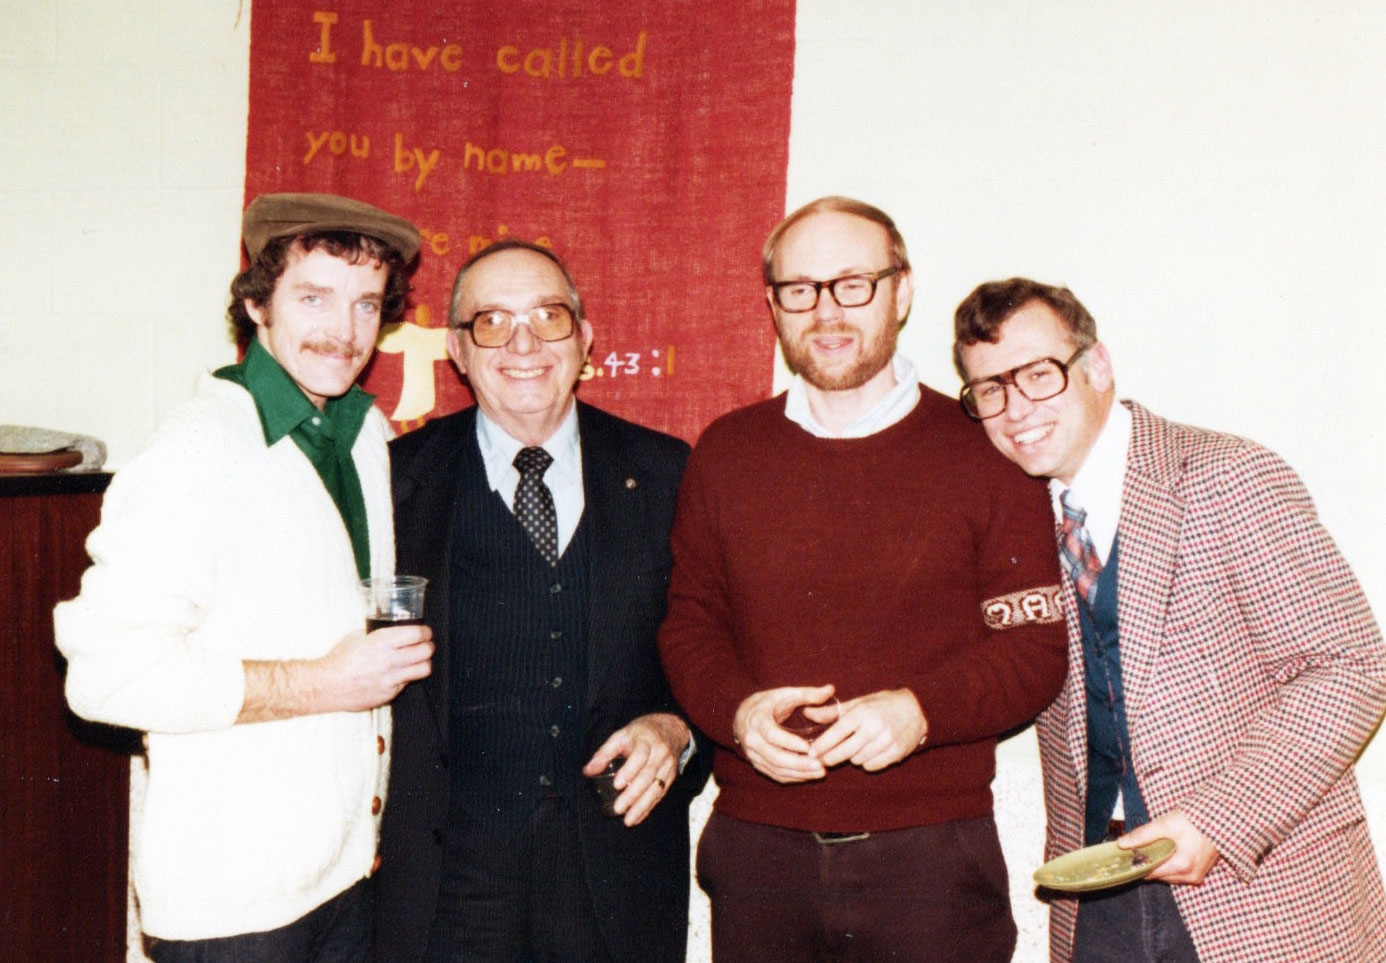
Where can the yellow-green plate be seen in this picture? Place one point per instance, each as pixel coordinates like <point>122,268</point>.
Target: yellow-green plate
<point>1101,866</point>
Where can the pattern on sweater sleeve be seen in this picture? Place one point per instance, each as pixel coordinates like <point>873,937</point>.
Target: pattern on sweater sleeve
<point>1013,664</point>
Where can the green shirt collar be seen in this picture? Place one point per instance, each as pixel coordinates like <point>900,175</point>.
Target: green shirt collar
<point>283,407</point>
<point>325,437</point>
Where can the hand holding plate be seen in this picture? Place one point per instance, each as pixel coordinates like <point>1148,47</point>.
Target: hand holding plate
<point>1194,853</point>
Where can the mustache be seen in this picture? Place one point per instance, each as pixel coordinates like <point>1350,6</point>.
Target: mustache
<point>839,327</point>
<point>335,349</point>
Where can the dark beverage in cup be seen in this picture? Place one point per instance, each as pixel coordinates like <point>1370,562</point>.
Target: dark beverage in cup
<point>604,786</point>
<point>386,621</point>
<point>804,727</point>
<point>392,600</point>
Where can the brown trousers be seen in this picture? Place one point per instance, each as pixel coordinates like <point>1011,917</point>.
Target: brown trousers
<point>929,894</point>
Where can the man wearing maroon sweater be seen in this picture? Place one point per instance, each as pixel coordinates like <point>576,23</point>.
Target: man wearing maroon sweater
<point>852,558</point>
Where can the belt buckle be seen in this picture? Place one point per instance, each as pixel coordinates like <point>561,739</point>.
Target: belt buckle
<point>832,839</point>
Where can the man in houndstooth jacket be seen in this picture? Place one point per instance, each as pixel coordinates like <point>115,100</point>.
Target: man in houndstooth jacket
<point>1224,667</point>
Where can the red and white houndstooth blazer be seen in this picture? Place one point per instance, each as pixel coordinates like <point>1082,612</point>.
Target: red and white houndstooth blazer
<point>1254,673</point>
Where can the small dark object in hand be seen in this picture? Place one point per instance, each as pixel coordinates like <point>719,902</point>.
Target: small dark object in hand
<point>604,785</point>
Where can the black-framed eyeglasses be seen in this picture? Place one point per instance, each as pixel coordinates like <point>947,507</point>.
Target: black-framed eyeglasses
<point>849,291</point>
<point>495,328</point>
<point>1038,381</point>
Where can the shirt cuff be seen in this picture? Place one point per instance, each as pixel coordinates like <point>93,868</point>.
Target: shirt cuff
<point>688,751</point>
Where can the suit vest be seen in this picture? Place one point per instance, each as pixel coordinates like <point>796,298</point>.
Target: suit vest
<point>1110,766</point>
<point>518,650</point>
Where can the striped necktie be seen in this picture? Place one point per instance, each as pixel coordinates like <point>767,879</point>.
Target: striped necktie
<point>1077,553</point>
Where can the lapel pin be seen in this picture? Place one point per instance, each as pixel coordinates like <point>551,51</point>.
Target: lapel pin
<point>630,483</point>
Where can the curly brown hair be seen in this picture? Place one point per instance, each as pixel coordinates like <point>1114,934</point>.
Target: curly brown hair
<point>256,283</point>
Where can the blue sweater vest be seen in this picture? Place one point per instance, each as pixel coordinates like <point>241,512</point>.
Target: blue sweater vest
<point>1109,741</point>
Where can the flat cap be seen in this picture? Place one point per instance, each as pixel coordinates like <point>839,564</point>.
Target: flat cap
<point>272,216</point>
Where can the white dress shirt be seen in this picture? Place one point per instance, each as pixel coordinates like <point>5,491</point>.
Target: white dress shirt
<point>564,476</point>
<point>892,408</point>
<point>1097,487</point>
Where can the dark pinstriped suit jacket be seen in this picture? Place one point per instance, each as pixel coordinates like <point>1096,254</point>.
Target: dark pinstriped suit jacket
<point>639,875</point>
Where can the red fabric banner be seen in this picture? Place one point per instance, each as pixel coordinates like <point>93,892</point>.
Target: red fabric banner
<point>645,142</point>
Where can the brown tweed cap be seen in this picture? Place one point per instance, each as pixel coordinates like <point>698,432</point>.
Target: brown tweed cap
<point>272,216</point>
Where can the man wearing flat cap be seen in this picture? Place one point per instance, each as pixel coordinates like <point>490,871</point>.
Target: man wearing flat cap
<point>220,614</point>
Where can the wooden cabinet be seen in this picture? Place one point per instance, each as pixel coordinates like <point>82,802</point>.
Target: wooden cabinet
<point>64,783</point>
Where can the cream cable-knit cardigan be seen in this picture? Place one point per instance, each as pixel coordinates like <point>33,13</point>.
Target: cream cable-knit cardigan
<point>212,549</point>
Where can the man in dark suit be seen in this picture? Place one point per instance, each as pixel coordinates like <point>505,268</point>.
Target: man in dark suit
<point>542,525</point>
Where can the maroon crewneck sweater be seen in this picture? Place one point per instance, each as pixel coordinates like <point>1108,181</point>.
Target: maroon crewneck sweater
<point>915,557</point>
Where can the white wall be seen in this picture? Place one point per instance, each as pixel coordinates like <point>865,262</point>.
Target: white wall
<point>121,179</point>
<point>1207,178</point>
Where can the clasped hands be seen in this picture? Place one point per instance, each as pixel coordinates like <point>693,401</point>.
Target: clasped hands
<point>871,731</point>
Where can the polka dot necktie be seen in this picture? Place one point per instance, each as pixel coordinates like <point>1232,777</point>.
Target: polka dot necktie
<point>534,502</point>
<point>1077,553</point>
